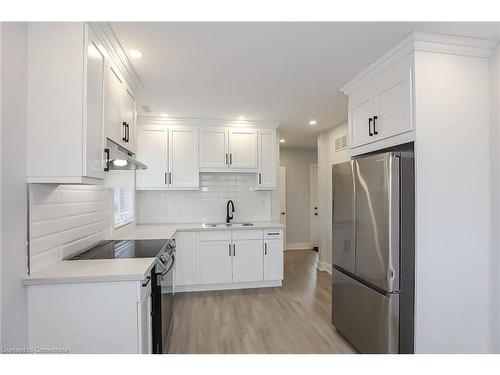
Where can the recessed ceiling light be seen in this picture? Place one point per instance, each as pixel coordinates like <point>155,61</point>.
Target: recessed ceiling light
<point>241,118</point>
<point>282,141</point>
<point>312,122</point>
<point>135,53</point>
<point>164,114</point>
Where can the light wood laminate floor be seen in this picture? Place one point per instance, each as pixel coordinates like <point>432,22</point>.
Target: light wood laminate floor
<point>292,319</point>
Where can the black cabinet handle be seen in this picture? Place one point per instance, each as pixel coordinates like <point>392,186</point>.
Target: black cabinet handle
<point>370,127</point>
<point>124,138</point>
<point>374,124</point>
<point>106,167</point>
<point>260,179</point>
<point>230,158</point>
<point>265,248</point>
<point>234,250</point>
<point>229,249</point>
<point>226,159</point>
<point>170,178</point>
<point>166,183</point>
<point>128,132</point>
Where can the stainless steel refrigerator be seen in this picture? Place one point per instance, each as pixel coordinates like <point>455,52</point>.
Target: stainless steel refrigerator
<point>373,252</point>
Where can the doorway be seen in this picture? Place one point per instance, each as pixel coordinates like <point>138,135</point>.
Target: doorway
<point>282,190</point>
<point>314,209</point>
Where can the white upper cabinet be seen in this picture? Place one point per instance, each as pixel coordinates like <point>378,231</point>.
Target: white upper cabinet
<point>267,159</point>
<point>120,111</point>
<point>243,149</point>
<point>381,108</point>
<point>65,91</point>
<point>214,148</point>
<point>183,157</point>
<point>152,149</point>
<point>171,157</point>
<point>393,101</point>
<point>228,150</point>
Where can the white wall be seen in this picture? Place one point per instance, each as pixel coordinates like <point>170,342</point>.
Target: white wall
<point>495,203</point>
<point>453,198</point>
<point>326,158</point>
<point>297,162</point>
<point>207,204</point>
<point>13,184</point>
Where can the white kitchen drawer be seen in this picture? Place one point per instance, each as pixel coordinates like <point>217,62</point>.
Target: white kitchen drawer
<point>273,233</point>
<point>247,235</point>
<point>217,235</point>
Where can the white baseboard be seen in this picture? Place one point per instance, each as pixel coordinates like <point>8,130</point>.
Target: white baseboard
<point>247,285</point>
<point>298,246</point>
<point>323,266</point>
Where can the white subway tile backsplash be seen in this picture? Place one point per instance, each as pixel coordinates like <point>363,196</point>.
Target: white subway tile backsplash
<point>209,203</point>
<point>65,219</point>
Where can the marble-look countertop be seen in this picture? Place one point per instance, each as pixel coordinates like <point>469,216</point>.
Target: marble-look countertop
<point>107,270</point>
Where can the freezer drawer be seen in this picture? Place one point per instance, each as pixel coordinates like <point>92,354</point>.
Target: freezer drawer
<point>369,320</point>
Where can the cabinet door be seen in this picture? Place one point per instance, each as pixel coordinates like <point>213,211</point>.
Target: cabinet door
<point>214,148</point>
<point>93,126</point>
<point>145,332</point>
<point>360,116</point>
<point>152,151</point>
<point>129,115</point>
<point>243,149</point>
<point>248,261</point>
<point>183,157</point>
<point>266,176</point>
<point>113,102</point>
<point>187,258</point>
<point>215,262</point>
<point>273,259</point>
<point>393,100</point>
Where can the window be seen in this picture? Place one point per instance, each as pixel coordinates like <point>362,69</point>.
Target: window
<point>123,206</point>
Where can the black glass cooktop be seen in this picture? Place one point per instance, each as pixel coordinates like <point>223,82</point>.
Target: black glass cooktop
<point>123,249</point>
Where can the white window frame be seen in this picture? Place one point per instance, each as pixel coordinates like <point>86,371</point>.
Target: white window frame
<point>123,211</point>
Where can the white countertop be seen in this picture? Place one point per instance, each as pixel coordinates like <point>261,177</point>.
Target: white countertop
<point>77,271</point>
<point>161,231</point>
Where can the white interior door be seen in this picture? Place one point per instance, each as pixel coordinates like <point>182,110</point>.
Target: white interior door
<point>314,209</point>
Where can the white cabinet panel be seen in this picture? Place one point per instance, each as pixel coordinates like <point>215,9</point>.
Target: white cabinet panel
<point>187,258</point>
<point>113,102</point>
<point>243,148</point>
<point>145,330</point>
<point>214,148</point>
<point>94,103</point>
<point>215,262</point>
<point>361,112</point>
<point>129,115</point>
<point>247,261</point>
<point>183,157</point>
<point>152,151</point>
<point>273,259</point>
<point>393,101</point>
<point>266,176</point>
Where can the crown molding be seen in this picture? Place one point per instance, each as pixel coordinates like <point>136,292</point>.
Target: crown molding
<point>115,50</point>
<point>203,122</point>
<point>426,42</point>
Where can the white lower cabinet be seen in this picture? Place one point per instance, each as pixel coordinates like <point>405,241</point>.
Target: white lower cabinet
<point>247,261</point>
<point>91,317</point>
<point>187,259</point>
<point>215,262</point>
<point>228,259</point>
<point>273,259</point>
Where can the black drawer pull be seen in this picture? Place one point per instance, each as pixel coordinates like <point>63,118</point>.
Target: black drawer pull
<point>374,124</point>
<point>370,127</point>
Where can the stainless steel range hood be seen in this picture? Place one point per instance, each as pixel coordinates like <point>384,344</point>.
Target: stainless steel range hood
<point>119,158</point>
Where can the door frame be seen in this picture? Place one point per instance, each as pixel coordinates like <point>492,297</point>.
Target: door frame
<point>283,170</point>
<point>311,206</point>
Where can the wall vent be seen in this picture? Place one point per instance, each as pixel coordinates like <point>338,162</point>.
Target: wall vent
<point>340,143</point>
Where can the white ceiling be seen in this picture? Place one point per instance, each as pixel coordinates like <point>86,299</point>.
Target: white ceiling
<point>286,72</point>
